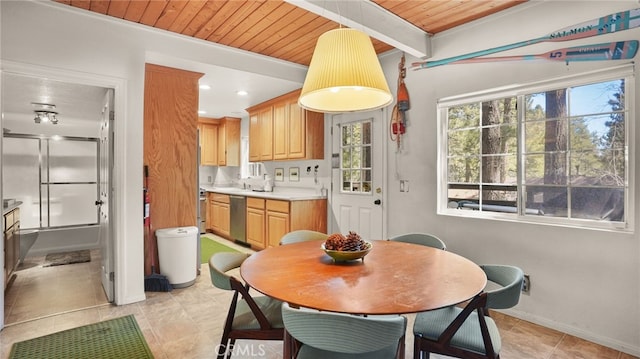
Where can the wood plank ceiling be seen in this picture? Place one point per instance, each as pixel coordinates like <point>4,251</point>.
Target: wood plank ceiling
<point>276,28</point>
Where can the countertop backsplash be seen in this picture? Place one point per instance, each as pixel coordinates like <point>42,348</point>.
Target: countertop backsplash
<point>308,175</point>
<point>207,175</point>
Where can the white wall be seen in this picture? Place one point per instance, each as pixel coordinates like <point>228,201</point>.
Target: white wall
<point>583,282</point>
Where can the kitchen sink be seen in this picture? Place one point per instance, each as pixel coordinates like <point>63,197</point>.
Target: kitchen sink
<point>228,189</point>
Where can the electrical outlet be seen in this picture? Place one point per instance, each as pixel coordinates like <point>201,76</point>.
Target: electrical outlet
<point>209,179</point>
<point>526,284</point>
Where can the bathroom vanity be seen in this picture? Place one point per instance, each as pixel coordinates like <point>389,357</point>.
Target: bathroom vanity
<point>11,214</point>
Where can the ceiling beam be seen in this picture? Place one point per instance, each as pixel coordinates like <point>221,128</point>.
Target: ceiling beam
<point>374,20</point>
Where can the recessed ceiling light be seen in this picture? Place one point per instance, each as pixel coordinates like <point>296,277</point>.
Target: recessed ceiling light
<point>205,87</point>
<point>242,93</point>
<point>201,112</point>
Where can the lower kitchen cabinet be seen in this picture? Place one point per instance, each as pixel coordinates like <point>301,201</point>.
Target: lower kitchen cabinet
<point>285,216</point>
<point>267,220</point>
<point>256,222</point>
<point>277,221</point>
<point>220,214</point>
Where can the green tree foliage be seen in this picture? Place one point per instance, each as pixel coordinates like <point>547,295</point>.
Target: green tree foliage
<point>614,139</point>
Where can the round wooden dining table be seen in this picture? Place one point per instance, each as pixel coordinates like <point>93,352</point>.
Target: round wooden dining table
<point>393,278</point>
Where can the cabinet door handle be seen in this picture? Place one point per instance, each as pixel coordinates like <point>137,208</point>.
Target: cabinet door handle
<point>377,202</point>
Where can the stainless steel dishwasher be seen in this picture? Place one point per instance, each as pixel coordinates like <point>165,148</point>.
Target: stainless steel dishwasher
<point>238,219</point>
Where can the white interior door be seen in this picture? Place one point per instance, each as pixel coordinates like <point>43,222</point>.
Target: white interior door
<point>104,205</point>
<point>357,174</point>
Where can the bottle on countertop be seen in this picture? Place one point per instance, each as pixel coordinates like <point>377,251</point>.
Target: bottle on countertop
<point>268,184</point>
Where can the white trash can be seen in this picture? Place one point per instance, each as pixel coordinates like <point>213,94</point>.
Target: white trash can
<point>177,252</point>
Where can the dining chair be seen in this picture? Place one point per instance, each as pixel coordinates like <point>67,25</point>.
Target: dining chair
<point>311,334</point>
<point>424,239</point>
<point>249,317</point>
<point>469,332</point>
<point>301,236</point>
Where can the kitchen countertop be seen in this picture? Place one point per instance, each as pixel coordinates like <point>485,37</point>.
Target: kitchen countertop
<point>281,193</point>
<point>11,207</point>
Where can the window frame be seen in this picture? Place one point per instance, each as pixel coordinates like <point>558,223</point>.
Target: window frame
<point>626,71</point>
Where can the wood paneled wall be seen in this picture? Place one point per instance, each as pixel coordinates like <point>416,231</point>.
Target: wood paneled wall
<point>170,134</point>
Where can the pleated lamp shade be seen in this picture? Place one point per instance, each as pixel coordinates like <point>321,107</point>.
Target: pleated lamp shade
<point>344,75</point>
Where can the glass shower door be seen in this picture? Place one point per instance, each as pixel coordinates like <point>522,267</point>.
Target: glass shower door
<point>69,182</point>
<point>56,179</point>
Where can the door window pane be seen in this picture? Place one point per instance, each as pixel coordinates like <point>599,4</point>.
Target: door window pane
<point>356,156</point>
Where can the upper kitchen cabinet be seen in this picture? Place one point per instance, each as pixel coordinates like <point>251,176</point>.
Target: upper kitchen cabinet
<point>229,142</point>
<point>261,134</point>
<point>208,143</point>
<point>279,129</point>
<point>219,141</point>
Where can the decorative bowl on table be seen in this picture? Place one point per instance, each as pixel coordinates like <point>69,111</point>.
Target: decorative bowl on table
<point>346,248</point>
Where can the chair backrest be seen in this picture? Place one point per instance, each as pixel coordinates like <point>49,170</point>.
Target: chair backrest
<point>343,333</point>
<point>510,279</point>
<point>424,239</point>
<point>301,236</point>
<point>222,262</point>
<point>219,264</point>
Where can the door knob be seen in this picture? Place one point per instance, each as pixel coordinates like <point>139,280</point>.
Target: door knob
<point>99,203</point>
<point>377,202</point>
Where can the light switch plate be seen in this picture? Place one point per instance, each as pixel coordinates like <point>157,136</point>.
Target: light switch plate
<point>404,186</point>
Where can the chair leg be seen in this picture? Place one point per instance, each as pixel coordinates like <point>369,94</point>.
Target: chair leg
<point>287,345</point>
<point>417,352</point>
<point>222,348</point>
<point>401,348</point>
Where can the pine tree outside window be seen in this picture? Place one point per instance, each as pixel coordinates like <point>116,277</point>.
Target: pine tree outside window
<point>553,153</point>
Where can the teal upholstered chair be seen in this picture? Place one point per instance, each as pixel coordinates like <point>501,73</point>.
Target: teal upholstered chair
<point>301,236</point>
<point>470,332</point>
<point>424,239</point>
<point>249,317</point>
<point>311,334</point>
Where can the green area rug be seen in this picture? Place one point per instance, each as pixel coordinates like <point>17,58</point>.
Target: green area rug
<point>208,247</point>
<point>111,339</point>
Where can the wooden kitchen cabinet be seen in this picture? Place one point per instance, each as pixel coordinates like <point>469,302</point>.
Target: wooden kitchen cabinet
<point>208,144</point>
<point>277,221</point>
<point>220,214</point>
<point>219,141</point>
<point>229,142</point>
<point>285,216</point>
<point>255,231</point>
<point>260,135</point>
<point>291,134</point>
<point>11,243</point>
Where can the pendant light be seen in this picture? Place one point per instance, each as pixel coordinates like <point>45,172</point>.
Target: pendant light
<point>344,75</point>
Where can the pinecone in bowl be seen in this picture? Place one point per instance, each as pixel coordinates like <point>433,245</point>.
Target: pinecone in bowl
<point>350,242</point>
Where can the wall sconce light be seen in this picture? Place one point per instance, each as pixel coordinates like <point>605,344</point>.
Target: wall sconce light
<point>44,113</point>
<point>344,75</point>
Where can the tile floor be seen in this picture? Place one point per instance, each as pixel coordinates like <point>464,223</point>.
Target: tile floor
<point>187,323</point>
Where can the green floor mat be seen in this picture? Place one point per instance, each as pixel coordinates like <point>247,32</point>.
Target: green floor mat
<point>116,338</point>
<point>208,247</point>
